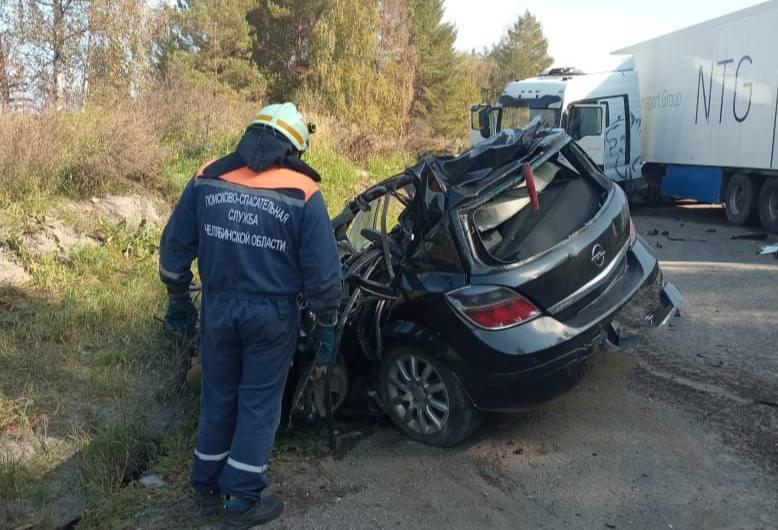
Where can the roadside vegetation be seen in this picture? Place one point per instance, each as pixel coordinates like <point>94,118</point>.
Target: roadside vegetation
<point>118,103</point>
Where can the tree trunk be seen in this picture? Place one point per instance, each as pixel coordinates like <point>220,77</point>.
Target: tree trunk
<point>5,83</point>
<point>57,48</point>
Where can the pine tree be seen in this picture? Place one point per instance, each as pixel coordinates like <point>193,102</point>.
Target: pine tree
<point>443,88</point>
<point>521,53</point>
<point>213,40</point>
<point>437,62</point>
<point>282,49</point>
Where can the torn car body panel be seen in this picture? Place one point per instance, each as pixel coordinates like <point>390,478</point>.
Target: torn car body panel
<point>450,260</point>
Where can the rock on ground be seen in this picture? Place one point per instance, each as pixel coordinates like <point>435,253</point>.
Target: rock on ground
<point>131,209</point>
<point>56,237</point>
<point>11,273</point>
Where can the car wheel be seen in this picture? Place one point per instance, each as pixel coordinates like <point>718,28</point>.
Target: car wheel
<point>768,205</point>
<point>424,398</point>
<point>741,200</point>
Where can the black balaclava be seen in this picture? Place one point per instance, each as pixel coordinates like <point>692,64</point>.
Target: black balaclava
<point>261,147</point>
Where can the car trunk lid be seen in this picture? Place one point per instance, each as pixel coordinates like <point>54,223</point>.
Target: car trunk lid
<point>561,255</point>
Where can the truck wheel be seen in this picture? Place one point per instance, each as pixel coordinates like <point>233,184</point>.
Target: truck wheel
<point>741,200</point>
<point>424,399</point>
<point>768,205</point>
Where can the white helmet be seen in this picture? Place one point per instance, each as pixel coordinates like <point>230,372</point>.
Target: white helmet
<point>286,119</point>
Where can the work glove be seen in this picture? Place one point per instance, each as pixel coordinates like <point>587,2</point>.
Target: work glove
<point>181,316</point>
<point>324,342</point>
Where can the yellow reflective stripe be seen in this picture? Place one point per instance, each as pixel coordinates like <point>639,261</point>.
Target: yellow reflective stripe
<point>288,128</point>
<point>266,118</point>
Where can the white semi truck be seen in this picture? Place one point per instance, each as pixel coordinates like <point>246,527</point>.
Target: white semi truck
<point>691,114</point>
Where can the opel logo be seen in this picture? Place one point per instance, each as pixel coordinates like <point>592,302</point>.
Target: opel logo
<point>598,255</point>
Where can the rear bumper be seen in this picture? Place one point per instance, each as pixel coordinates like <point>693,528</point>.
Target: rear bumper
<point>520,367</point>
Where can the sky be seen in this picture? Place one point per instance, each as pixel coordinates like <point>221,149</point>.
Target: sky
<point>582,33</point>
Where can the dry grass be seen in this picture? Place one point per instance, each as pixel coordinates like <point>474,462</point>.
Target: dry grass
<point>114,145</point>
<point>157,141</point>
<point>81,359</point>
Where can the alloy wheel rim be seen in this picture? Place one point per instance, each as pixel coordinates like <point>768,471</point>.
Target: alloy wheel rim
<point>418,394</point>
<point>772,205</point>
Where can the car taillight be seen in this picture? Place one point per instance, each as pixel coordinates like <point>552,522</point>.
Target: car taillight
<point>492,307</point>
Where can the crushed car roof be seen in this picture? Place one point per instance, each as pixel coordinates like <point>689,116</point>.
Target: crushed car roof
<point>469,172</point>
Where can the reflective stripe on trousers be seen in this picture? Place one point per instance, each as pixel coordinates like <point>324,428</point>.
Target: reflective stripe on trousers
<point>246,348</point>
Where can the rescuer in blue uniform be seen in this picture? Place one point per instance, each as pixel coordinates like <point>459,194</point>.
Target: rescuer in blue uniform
<point>258,226</point>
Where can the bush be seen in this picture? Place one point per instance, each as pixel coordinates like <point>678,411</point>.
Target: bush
<point>103,149</point>
<point>27,151</point>
<point>112,145</point>
<point>158,139</point>
<point>197,120</point>
<point>80,153</point>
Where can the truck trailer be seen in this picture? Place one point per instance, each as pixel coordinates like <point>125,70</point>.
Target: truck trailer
<point>691,114</point>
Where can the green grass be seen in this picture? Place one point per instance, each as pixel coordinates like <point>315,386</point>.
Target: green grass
<point>85,369</point>
<point>82,364</point>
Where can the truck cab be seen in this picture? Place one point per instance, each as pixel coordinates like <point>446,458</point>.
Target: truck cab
<point>600,111</point>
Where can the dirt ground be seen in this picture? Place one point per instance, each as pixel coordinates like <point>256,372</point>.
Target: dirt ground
<point>663,434</point>
<point>677,430</point>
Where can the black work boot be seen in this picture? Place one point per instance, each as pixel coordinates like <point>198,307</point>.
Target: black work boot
<point>262,512</point>
<point>209,503</point>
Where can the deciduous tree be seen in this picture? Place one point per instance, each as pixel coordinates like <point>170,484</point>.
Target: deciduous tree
<point>54,34</point>
<point>118,48</point>
<point>11,63</point>
<point>362,65</point>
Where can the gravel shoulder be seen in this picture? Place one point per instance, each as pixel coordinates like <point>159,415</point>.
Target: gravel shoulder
<point>663,434</point>
<point>669,432</point>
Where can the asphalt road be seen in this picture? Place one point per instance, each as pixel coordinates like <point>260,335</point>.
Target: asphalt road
<point>677,430</point>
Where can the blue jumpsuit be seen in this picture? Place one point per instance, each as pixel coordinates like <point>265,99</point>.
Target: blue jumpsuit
<point>260,238</point>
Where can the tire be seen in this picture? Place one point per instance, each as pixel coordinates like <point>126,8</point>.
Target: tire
<point>741,202</point>
<point>406,377</point>
<point>768,205</point>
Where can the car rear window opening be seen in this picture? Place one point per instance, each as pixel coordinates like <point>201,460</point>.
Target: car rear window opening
<point>511,230</point>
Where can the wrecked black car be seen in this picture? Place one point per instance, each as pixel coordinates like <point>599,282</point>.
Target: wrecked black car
<point>475,283</point>
<point>480,283</point>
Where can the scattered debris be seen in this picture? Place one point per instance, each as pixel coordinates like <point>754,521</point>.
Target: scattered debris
<point>751,236</point>
<point>152,481</point>
<point>769,249</point>
<point>666,233</point>
<point>688,239</point>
